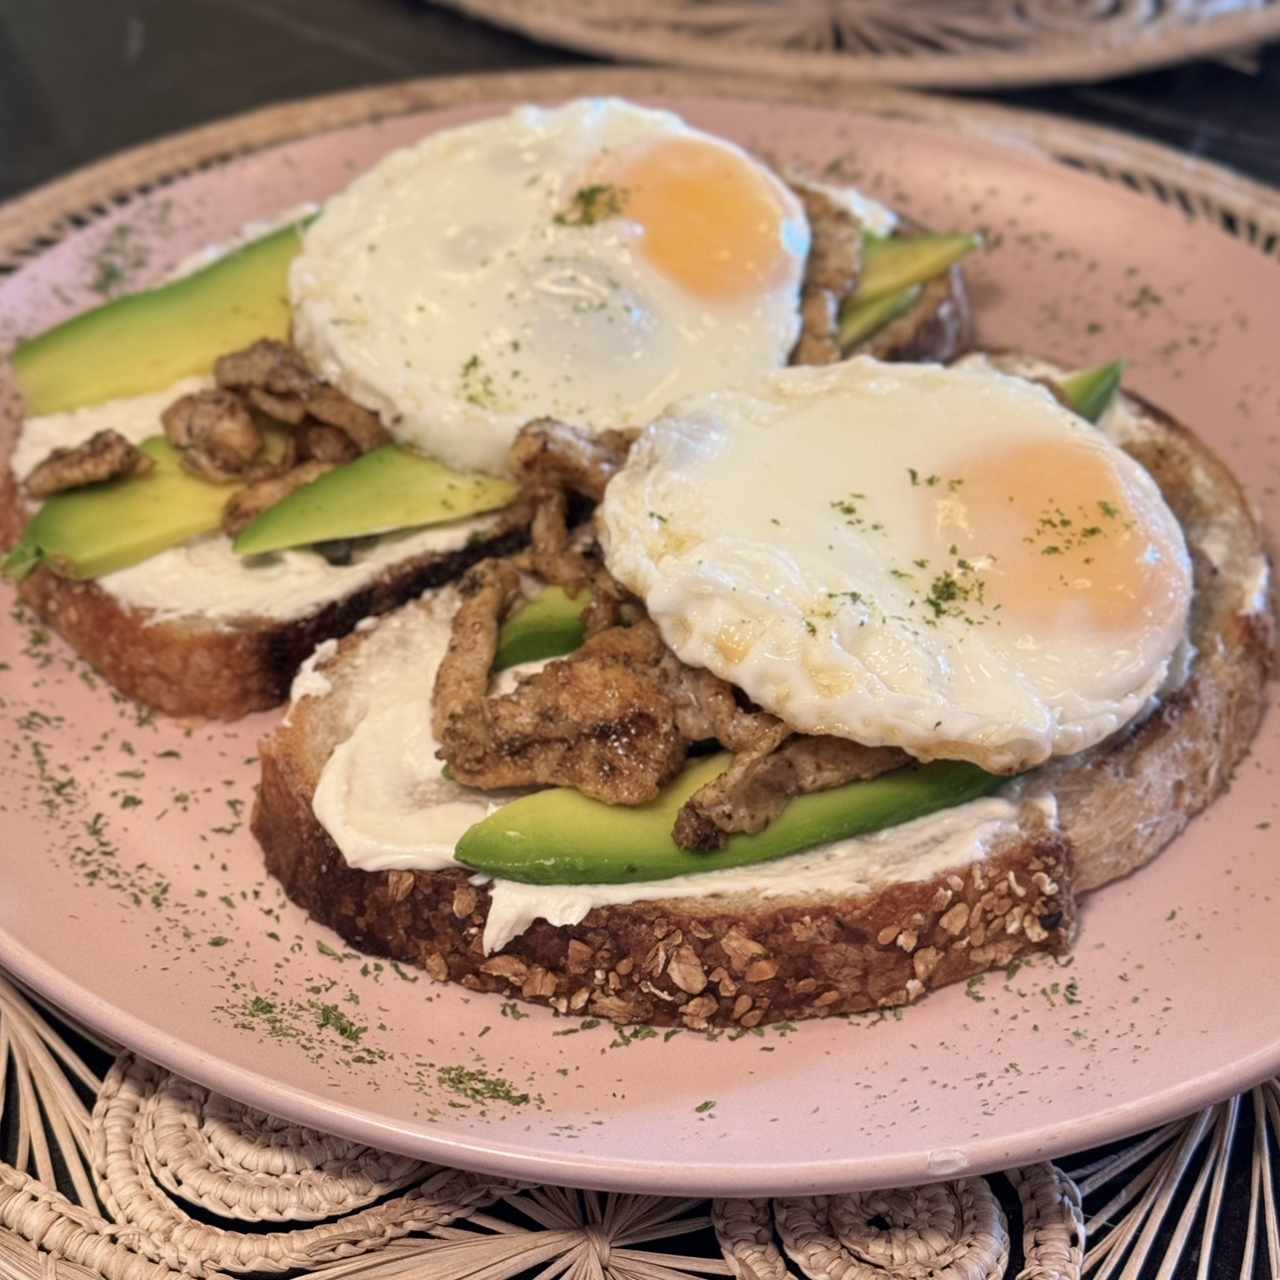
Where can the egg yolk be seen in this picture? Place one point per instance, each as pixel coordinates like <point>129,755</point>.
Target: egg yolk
<point>1059,540</point>
<point>713,223</point>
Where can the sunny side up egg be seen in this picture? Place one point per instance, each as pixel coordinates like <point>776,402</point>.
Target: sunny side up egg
<point>591,262</point>
<point>943,560</point>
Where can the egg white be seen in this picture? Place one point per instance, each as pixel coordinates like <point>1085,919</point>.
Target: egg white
<point>809,541</point>
<point>453,290</point>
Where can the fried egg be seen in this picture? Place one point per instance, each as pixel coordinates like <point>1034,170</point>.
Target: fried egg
<point>592,262</point>
<point>943,560</point>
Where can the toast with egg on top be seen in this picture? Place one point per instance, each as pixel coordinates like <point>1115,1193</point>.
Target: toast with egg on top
<point>748,955</point>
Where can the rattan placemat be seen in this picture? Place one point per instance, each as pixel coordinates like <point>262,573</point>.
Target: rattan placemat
<point>115,1168</point>
<point>957,43</point>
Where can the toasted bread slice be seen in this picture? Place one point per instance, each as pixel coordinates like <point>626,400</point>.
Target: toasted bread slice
<point>192,665</point>
<point>741,959</point>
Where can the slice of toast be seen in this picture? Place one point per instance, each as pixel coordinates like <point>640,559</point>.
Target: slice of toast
<point>743,958</point>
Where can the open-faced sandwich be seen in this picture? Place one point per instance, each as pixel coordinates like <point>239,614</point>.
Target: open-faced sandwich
<point>238,464</point>
<point>869,672</point>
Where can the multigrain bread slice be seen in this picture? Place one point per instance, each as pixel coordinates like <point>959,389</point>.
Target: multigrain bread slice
<point>693,961</point>
<point>742,959</point>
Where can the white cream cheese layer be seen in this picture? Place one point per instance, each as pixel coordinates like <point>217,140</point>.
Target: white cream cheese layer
<point>877,218</point>
<point>134,417</point>
<point>383,799</point>
<point>205,577</point>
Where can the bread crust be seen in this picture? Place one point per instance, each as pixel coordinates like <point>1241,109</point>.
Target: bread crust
<point>191,666</point>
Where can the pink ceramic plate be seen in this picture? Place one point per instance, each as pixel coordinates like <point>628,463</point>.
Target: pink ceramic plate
<point>131,891</point>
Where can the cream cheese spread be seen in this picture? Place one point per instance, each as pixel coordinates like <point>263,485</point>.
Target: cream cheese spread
<point>877,218</point>
<point>383,799</point>
<point>205,577</point>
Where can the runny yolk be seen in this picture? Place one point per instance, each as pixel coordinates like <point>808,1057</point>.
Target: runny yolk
<point>713,223</point>
<point>1062,542</point>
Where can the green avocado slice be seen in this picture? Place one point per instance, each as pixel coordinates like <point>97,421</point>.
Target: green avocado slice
<point>148,341</point>
<point>386,489</point>
<point>892,263</point>
<point>560,836</point>
<point>1090,391</point>
<point>861,320</point>
<point>88,532</point>
<point>547,627</point>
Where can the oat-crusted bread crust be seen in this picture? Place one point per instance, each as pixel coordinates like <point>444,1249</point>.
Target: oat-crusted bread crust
<point>742,960</point>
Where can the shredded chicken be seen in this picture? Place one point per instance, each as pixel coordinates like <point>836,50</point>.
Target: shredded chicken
<point>552,461</point>
<point>214,433</point>
<point>757,785</point>
<point>598,721</point>
<point>331,406</point>
<point>274,378</point>
<point>247,504</point>
<point>324,443</point>
<point>267,365</point>
<point>831,275</point>
<point>105,455</point>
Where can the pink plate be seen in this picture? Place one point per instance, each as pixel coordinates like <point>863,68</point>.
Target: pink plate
<point>132,894</point>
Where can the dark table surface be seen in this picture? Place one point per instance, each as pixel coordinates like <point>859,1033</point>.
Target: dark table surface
<point>80,79</point>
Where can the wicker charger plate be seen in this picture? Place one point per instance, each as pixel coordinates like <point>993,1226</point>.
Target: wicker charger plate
<point>46,217</point>
<point>958,43</point>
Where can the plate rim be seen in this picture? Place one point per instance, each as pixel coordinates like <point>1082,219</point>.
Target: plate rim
<point>1053,1141</point>
<point>1173,41</point>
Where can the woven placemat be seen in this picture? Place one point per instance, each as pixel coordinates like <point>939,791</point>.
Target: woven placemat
<point>957,43</point>
<point>111,1167</point>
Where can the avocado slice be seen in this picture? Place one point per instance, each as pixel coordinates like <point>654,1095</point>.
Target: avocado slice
<point>88,532</point>
<point>548,626</point>
<point>891,263</point>
<point>386,489</point>
<point>861,320</point>
<point>1090,391</point>
<point>562,837</point>
<point>147,341</point>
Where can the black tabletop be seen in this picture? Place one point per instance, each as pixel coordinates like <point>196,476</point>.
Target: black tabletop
<point>80,79</point>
